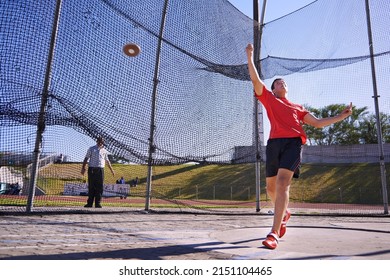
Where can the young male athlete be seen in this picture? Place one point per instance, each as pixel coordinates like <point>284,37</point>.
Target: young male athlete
<point>283,152</point>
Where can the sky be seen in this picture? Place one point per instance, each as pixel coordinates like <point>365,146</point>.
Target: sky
<point>274,8</point>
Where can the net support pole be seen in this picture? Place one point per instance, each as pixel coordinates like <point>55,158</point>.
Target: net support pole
<point>42,113</point>
<point>378,123</point>
<point>153,109</point>
<point>257,33</point>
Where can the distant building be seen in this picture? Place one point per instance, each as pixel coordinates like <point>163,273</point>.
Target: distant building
<point>367,153</point>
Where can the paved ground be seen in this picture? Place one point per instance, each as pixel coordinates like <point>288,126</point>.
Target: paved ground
<point>176,236</point>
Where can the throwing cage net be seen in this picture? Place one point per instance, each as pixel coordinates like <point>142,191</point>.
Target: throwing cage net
<point>189,91</point>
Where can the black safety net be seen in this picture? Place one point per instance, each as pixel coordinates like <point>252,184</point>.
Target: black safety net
<point>187,96</point>
<point>204,104</point>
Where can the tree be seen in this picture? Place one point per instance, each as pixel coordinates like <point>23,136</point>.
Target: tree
<point>368,129</point>
<point>346,132</point>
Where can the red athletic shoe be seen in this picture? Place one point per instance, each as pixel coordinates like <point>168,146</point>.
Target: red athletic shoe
<point>283,226</point>
<point>272,240</point>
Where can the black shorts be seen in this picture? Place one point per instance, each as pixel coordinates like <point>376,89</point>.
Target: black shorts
<point>283,153</point>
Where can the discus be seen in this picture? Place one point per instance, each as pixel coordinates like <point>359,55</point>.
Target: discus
<point>131,49</point>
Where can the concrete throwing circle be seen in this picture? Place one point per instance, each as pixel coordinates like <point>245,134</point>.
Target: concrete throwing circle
<point>341,241</point>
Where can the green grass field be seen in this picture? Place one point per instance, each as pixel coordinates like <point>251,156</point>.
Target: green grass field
<point>325,183</point>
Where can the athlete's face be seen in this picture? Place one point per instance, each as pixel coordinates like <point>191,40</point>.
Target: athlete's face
<point>280,85</point>
<point>280,88</point>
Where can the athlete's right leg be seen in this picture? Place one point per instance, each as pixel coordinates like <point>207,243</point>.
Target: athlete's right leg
<point>278,190</point>
<point>271,188</point>
<point>283,181</point>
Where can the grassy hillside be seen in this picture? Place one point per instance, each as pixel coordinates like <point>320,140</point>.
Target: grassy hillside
<point>330,183</point>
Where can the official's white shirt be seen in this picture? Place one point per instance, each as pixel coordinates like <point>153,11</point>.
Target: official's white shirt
<point>97,157</point>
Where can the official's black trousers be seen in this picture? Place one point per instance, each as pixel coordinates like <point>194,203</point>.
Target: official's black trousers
<point>95,185</point>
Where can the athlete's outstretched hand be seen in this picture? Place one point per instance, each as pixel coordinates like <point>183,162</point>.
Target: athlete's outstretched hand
<point>347,111</point>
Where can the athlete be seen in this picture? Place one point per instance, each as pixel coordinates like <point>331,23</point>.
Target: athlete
<point>284,146</point>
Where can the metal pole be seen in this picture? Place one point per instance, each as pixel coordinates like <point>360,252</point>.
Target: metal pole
<point>378,123</point>
<point>42,113</point>
<point>153,113</point>
<point>257,32</point>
